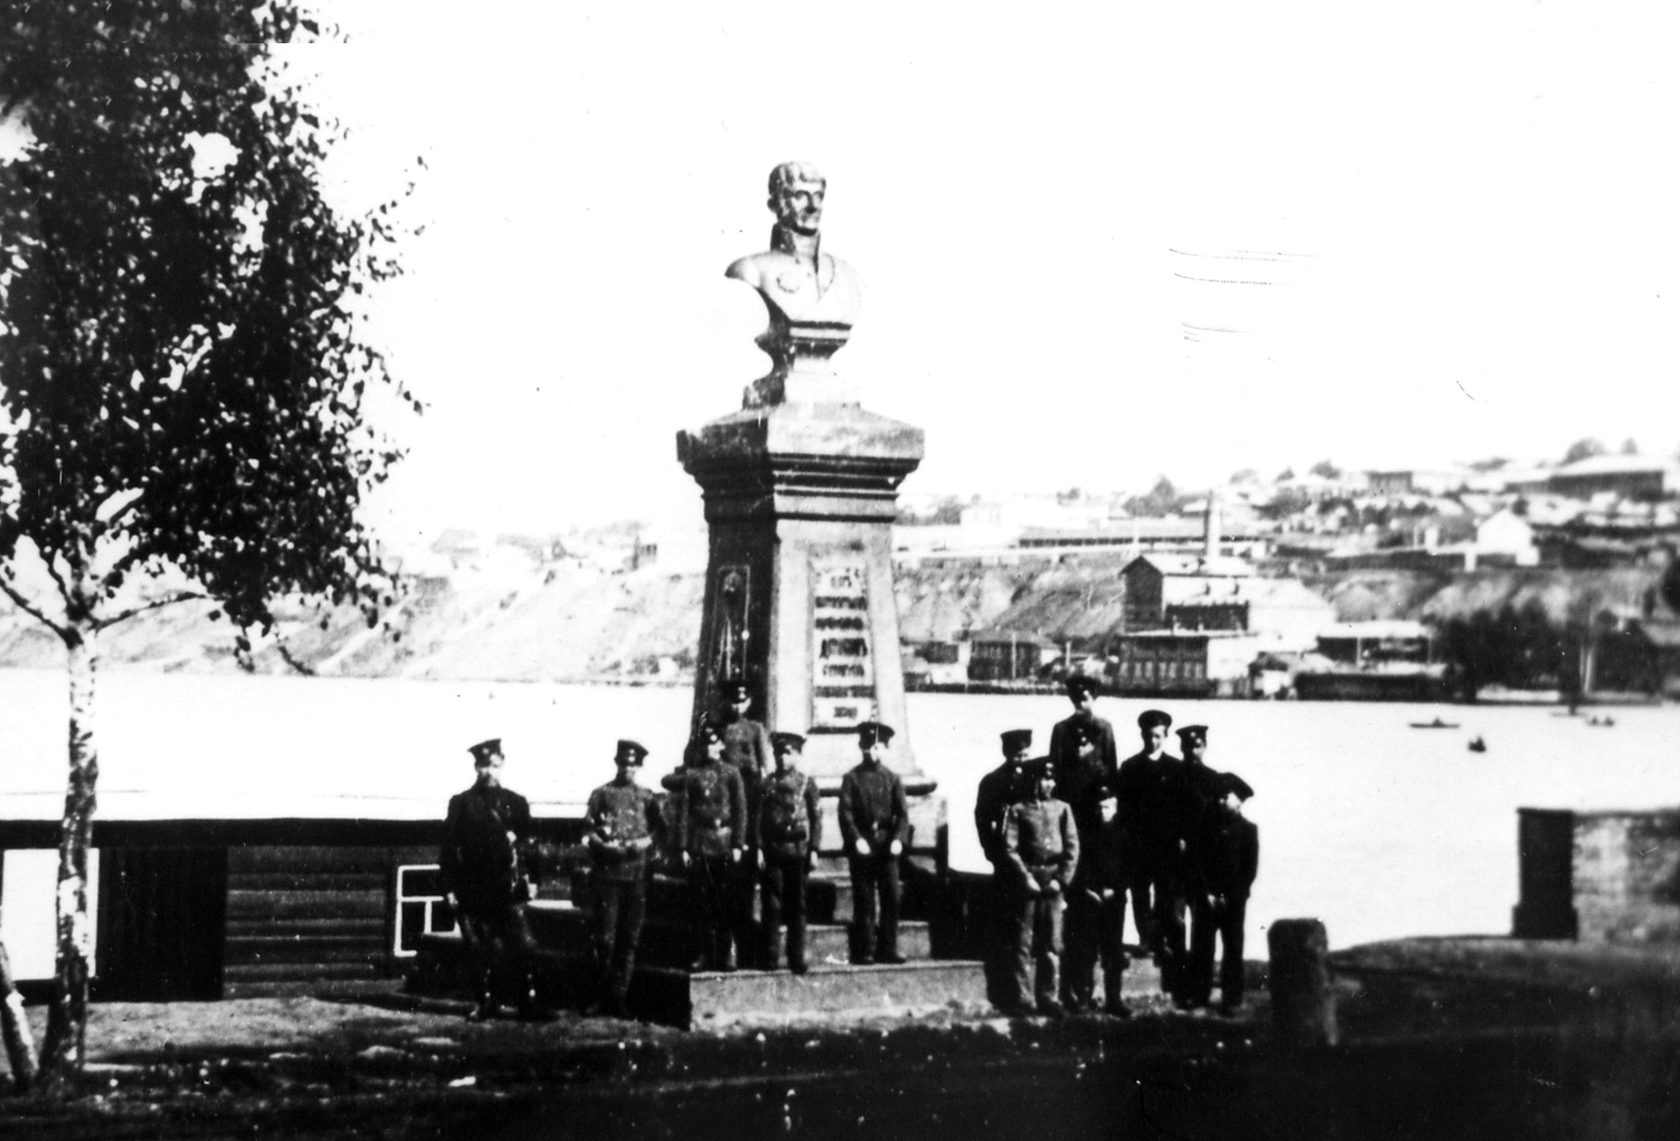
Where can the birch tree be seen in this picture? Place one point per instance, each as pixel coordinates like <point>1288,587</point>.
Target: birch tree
<point>184,368</point>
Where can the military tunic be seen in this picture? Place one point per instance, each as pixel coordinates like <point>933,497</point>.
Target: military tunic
<point>788,828</point>
<point>1041,856</point>
<point>712,829</point>
<point>486,832</point>
<point>621,825</point>
<point>873,809</point>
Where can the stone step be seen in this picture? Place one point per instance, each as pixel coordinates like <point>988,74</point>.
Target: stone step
<point>828,896</point>
<point>708,999</point>
<point>672,945</point>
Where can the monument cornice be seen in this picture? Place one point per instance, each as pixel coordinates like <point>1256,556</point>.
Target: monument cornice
<point>793,461</point>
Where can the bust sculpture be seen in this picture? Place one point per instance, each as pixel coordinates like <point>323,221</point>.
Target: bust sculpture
<point>812,297</point>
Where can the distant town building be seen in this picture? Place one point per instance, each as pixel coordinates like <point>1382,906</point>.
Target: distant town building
<point>1631,477</point>
<point>1207,663</point>
<point>1506,537</point>
<point>1370,643</point>
<point>1173,536</point>
<point>1006,655</point>
<point>1153,582</point>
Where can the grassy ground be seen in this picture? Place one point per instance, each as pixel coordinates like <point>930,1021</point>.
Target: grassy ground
<point>1442,1038</point>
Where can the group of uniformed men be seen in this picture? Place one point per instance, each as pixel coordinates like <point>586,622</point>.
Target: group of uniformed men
<point>738,817</point>
<point>1070,835</point>
<point>1075,830</point>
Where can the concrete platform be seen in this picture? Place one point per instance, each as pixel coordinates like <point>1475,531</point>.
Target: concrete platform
<point>711,998</point>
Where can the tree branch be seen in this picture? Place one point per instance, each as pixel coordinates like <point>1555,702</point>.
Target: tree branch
<point>155,604</point>
<point>28,608</point>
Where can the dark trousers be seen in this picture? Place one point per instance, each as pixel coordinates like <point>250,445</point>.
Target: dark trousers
<point>997,931</point>
<point>710,910</point>
<point>1224,919</point>
<point>1158,910</point>
<point>1037,932</point>
<point>620,908</point>
<point>738,909</point>
<point>784,901</point>
<point>875,875</point>
<point>503,954</point>
<point>1094,932</point>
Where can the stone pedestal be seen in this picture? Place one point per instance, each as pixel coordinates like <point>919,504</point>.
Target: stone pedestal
<point>799,499</point>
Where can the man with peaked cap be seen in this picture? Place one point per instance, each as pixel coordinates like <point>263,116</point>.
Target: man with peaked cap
<point>712,833</point>
<point>998,789</point>
<point>1151,792</point>
<point>875,823</point>
<point>1100,884</point>
<point>1085,760</point>
<point>1082,749</point>
<point>746,742</point>
<point>746,745</point>
<point>788,836</point>
<point>1040,858</point>
<point>620,827</point>
<point>486,852</point>
<point>1228,859</point>
<point>1221,856</point>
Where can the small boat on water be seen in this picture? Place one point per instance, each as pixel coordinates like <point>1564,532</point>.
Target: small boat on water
<point>1477,745</point>
<point>1435,724</point>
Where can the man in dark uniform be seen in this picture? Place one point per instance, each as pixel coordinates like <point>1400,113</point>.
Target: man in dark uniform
<point>712,831</point>
<point>487,834</point>
<point>1082,749</point>
<point>621,824</point>
<point>1085,760</point>
<point>1003,786</point>
<point>1150,790</point>
<point>1227,859</point>
<point>1102,879</point>
<point>1206,790</point>
<point>746,742</point>
<point>746,746</point>
<point>1040,857</point>
<point>788,837</point>
<point>875,823</point>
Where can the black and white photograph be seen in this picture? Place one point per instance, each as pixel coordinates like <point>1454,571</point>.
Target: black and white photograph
<point>839,571</point>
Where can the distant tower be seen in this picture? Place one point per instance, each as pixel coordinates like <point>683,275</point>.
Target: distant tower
<point>1210,532</point>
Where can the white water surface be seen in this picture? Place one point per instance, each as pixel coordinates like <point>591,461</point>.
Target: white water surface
<point>1379,829</point>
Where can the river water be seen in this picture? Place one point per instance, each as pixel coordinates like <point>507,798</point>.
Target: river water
<point>1379,829</point>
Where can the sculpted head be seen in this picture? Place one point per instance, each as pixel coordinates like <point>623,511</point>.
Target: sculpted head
<point>796,197</point>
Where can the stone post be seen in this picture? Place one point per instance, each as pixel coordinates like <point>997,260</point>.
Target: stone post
<point>1303,1005</point>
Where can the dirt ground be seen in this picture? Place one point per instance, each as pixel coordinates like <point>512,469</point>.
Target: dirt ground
<point>1442,1038</point>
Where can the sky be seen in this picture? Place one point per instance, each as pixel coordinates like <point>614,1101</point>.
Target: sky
<point>1099,242</point>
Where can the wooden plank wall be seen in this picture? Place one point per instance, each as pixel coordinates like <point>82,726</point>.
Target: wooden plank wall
<point>299,916</point>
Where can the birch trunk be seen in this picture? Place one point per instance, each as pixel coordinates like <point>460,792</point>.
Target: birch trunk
<point>14,1028</point>
<point>63,1051</point>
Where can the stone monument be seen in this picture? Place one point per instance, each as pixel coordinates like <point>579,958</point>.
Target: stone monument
<point>800,489</point>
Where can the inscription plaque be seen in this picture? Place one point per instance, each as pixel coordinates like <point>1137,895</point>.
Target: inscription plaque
<point>843,674</point>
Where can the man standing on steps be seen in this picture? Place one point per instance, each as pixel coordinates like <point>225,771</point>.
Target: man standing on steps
<point>620,826</point>
<point>485,857</point>
<point>788,837</point>
<point>712,831</point>
<point>1212,864</point>
<point>746,742</point>
<point>746,746</point>
<point>1041,856</point>
<point>998,789</point>
<point>1085,760</point>
<point>875,823</point>
<point>1150,789</point>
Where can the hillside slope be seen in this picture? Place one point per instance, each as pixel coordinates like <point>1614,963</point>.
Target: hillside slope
<point>530,620</point>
